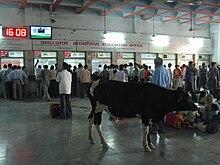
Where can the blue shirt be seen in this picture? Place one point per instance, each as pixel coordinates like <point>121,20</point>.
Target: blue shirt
<point>161,77</point>
<point>15,75</point>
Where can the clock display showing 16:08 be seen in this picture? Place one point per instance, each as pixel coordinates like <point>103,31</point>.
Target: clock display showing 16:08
<point>14,32</point>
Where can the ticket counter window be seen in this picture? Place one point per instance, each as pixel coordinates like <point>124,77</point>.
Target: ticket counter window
<point>204,59</point>
<point>185,58</point>
<point>13,57</point>
<point>148,59</point>
<point>100,59</point>
<point>169,58</point>
<point>45,58</point>
<point>125,58</point>
<point>74,58</point>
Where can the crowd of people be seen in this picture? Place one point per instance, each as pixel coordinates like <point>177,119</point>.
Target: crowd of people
<point>54,82</point>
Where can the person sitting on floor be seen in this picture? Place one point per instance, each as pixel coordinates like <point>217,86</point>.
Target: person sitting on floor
<point>208,103</point>
<point>213,111</point>
<point>202,97</point>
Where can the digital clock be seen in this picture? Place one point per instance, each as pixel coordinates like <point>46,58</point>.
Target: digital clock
<point>15,32</point>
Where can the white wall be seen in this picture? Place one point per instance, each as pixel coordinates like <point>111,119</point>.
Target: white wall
<point>215,35</point>
<point>88,27</point>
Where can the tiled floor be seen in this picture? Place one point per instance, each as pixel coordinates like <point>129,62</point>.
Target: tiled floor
<point>29,136</point>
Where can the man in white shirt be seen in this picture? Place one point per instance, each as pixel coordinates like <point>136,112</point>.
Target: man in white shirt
<point>65,80</point>
<point>120,75</point>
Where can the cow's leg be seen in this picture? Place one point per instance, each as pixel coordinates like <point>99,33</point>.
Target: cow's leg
<point>92,141</point>
<point>145,130</point>
<point>91,119</point>
<point>147,143</point>
<point>116,119</point>
<point>150,144</point>
<point>105,145</point>
<point>97,121</point>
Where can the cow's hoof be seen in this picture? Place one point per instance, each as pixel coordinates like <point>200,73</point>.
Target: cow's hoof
<point>105,147</point>
<point>116,120</point>
<point>147,149</point>
<point>92,142</point>
<point>151,146</point>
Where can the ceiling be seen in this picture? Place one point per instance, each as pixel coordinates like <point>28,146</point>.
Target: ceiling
<point>180,11</point>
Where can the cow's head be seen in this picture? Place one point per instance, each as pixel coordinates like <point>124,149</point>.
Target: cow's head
<point>184,102</point>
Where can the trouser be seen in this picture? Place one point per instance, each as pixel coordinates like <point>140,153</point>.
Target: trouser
<point>79,88</point>
<point>17,89</point>
<point>53,88</point>
<point>202,83</point>
<point>65,106</point>
<point>4,89</point>
<point>84,89</point>
<point>74,88</point>
<point>9,89</point>
<point>39,88</point>
<point>176,83</point>
<point>25,90</point>
<point>45,85</point>
<point>212,83</point>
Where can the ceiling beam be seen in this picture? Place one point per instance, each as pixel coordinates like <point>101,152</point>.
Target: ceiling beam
<point>119,6</point>
<point>195,12</point>
<point>178,17</point>
<point>206,16</point>
<point>170,10</point>
<point>147,7</point>
<point>199,20</point>
<point>86,6</point>
<point>22,4</point>
<point>55,5</point>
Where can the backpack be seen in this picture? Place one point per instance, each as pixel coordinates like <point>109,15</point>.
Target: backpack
<point>212,127</point>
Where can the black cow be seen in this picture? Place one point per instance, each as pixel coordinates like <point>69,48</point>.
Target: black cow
<point>129,99</point>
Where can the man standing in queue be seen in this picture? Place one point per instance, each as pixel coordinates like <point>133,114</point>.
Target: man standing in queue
<point>65,80</point>
<point>160,77</point>
<point>190,80</point>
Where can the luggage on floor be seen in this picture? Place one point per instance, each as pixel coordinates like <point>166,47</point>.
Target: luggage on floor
<point>175,120</point>
<point>54,110</point>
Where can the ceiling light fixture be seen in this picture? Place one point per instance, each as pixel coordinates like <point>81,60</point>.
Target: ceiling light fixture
<point>114,37</point>
<point>161,40</point>
<point>195,2</point>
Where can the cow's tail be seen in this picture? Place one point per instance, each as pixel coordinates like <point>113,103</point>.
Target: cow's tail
<point>90,95</point>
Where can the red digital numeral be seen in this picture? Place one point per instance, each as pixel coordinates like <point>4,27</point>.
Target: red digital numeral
<point>15,32</point>
<point>9,32</point>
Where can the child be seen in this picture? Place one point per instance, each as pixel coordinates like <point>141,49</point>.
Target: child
<point>202,97</point>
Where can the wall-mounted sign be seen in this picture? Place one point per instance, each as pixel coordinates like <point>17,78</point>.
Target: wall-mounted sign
<point>69,54</point>
<point>104,55</point>
<point>16,54</point>
<point>4,53</point>
<point>146,55</point>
